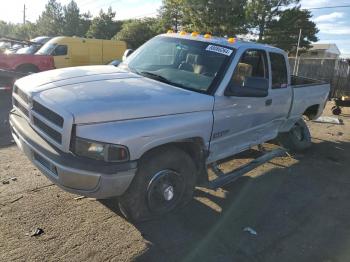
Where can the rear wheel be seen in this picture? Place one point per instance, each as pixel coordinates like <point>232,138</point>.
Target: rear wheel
<point>164,181</point>
<point>298,138</point>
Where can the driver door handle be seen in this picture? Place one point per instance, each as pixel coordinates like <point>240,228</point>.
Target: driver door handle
<point>268,102</point>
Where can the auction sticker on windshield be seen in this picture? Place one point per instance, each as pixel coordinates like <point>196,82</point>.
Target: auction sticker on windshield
<point>219,49</point>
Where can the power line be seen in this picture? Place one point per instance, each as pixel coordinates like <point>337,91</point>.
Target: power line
<point>328,7</point>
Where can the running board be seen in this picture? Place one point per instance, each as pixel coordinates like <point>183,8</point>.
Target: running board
<point>224,179</point>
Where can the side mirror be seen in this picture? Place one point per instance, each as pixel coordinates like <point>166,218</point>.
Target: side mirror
<point>127,53</point>
<point>252,87</point>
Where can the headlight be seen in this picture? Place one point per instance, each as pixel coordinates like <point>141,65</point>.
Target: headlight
<point>100,151</point>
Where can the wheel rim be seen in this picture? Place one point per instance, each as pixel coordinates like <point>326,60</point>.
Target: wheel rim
<point>164,191</point>
<point>298,132</point>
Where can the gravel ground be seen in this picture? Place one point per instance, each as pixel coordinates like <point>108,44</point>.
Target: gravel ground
<point>298,206</point>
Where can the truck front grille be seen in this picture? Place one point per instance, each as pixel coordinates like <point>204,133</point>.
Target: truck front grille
<point>49,124</point>
<point>48,114</point>
<point>53,134</point>
<point>21,108</point>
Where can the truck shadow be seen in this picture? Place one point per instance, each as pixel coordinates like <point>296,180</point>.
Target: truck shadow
<point>300,213</point>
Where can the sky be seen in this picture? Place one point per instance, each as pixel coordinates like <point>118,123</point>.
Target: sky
<point>334,23</point>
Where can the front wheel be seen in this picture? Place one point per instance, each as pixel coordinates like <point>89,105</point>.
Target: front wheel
<point>297,139</point>
<point>164,181</point>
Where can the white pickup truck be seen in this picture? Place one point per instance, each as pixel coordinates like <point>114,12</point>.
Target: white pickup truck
<point>147,130</point>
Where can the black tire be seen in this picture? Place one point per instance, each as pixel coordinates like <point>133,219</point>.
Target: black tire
<point>27,69</point>
<point>298,139</point>
<point>161,167</point>
<point>336,110</point>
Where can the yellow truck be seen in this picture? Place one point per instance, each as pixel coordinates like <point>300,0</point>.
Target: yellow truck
<point>75,51</point>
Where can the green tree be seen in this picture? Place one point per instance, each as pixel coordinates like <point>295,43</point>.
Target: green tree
<point>25,31</point>
<point>51,21</point>
<point>6,29</point>
<point>171,14</point>
<point>104,26</point>
<point>72,19</point>
<point>137,32</point>
<point>284,31</point>
<point>85,23</point>
<point>220,17</point>
<point>260,13</point>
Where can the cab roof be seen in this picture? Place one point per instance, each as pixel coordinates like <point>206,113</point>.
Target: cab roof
<point>223,41</point>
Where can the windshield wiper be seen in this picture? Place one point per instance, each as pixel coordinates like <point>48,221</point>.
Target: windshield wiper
<point>164,80</point>
<point>155,77</point>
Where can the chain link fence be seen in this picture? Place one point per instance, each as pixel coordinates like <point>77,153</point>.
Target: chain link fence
<point>333,71</point>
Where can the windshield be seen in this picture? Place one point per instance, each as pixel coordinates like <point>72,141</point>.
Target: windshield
<point>46,49</point>
<point>184,63</point>
<point>27,50</point>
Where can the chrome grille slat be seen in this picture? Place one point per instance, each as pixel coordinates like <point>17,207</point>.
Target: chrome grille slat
<point>24,110</point>
<point>53,134</point>
<point>46,121</point>
<point>48,114</point>
<point>21,94</point>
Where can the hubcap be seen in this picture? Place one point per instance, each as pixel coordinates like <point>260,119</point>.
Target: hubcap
<point>168,193</point>
<point>164,191</point>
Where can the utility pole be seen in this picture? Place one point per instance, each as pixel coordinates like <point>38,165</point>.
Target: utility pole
<point>24,14</point>
<point>296,55</point>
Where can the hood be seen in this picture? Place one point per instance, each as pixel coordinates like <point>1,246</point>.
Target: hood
<point>106,93</point>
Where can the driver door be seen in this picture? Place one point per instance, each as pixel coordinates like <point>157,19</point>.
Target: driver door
<point>242,122</point>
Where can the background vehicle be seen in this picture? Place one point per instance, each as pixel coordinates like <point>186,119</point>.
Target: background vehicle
<point>148,130</point>
<point>62,52</point>
<point>74,51</point>
<point>37,43</point>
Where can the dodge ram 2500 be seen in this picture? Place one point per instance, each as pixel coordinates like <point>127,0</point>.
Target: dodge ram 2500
<point>146,131</point>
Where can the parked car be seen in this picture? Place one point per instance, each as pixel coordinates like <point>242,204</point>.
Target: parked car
<point>37,43</point>
<point>147,130</point>
<point>74,51</point>
<point>61,52</point>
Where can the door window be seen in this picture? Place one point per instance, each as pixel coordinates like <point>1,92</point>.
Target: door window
<point>253,63</point>
<point>60,50</point>
<point>279,71</point>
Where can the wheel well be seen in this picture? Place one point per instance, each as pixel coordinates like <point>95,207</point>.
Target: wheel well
<point>26,68</point>
<point>195,148</point>
<point>311,111</point>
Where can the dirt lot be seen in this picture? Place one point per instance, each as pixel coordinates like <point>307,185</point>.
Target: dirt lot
<point>299,207</point>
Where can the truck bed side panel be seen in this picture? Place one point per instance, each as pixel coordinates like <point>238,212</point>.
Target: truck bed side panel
<point>303,98</point>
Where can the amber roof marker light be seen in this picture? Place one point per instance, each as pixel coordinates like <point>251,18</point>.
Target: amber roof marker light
<point>231,40</point>
<point>207,36</point>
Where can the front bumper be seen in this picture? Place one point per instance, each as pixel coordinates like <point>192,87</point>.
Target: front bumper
<point>73,174</point>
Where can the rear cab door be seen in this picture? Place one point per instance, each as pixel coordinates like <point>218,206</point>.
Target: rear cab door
<point>281,92</point>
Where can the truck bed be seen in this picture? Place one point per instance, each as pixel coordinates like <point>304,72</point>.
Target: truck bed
<point>308,93</point>
<point>298,81</point>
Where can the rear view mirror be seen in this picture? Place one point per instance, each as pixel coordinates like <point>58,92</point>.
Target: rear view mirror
<point>127,53</point>
<point>251,87</point>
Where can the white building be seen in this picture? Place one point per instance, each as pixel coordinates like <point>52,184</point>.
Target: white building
<point>322,51</point>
